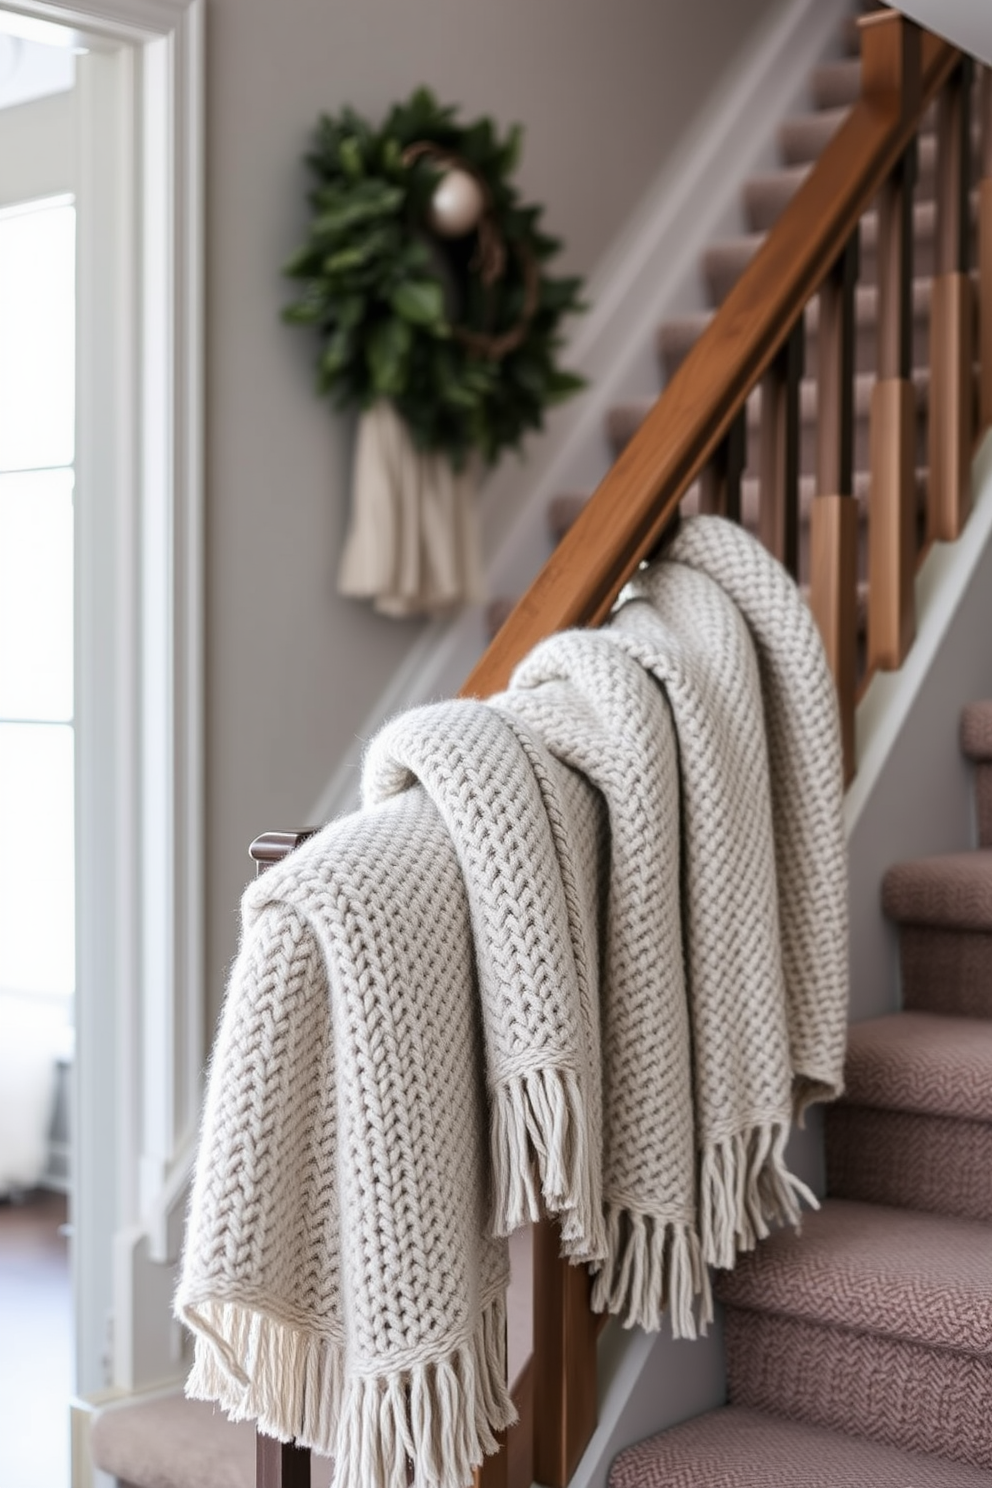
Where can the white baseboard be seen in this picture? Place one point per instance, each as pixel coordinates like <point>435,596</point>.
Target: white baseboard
<point>650,272</point>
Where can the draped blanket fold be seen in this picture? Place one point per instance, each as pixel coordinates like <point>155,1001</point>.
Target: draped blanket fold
<point>584,947</point>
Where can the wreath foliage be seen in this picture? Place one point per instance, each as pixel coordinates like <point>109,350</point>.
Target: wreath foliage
<point>401,312</point>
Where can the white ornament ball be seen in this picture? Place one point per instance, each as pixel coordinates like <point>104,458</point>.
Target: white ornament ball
<point>457,204</point>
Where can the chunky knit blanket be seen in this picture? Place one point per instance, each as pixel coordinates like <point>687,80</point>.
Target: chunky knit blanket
<point>584,947</point>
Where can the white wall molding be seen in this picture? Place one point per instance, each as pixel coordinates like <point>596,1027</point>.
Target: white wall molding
<point>139,686</point>
<point>650,272</point>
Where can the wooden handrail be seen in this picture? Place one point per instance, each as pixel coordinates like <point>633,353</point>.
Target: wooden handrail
<point>638,498</point>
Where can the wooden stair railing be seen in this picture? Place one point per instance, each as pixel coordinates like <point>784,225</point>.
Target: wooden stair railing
<point>697,429</point>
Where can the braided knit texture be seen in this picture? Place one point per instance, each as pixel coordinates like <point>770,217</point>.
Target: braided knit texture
<point>564,957</point>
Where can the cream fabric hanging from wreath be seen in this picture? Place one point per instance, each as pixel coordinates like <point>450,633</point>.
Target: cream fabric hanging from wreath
<point>413,539</point>
<point>425,277</point>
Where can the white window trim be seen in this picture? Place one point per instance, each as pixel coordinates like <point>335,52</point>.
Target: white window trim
<point>140,1000</point>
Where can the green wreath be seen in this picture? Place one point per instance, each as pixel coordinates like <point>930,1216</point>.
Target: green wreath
<point>461,333</point>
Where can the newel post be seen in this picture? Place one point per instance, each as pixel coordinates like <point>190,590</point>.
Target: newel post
<point>891,61</point>
<point>951,317</point>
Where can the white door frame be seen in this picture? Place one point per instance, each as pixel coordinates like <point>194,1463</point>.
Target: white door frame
<point>139,703</point>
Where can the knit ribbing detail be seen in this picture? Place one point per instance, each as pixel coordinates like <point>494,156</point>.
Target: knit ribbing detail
<point>509,826</point>
<point>802,729</point>
<point>681,627</point>
<point>601,714</point>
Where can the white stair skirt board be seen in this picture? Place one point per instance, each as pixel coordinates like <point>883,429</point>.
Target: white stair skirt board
<point>650,273</point>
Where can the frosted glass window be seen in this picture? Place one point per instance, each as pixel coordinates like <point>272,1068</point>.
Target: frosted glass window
<point>37,912</point>
<point>36,595</point>
<point>37,330</point>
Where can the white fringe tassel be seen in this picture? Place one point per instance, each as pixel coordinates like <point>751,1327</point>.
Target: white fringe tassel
<point>653,1265</point>
<point>258,1369</point>
<point>442,1416</point>
<point>541,1117</point>
<point>744,1189</point>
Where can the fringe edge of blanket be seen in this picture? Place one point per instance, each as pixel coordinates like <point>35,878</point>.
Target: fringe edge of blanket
<point>744,1189</point>
<point>442,1415</point>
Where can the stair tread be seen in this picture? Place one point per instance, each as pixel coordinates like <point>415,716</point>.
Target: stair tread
<point>976,732</point>
<point>172,1442</point>
<point>805,137</point>
<point>924,1279</point>
<point>737,1448</point>
<point>923,1063</point>
<point>953,892</point>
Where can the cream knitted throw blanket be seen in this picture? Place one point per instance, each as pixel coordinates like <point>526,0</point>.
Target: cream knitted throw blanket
<point>584,944</point>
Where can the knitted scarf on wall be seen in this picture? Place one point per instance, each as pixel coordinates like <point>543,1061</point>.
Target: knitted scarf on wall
<point>585,944</point>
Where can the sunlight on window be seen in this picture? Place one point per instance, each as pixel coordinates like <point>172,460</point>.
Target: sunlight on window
<point>37,916</point>
<point>36,595</point>
<point>37,414</point>
<point>37,331</point>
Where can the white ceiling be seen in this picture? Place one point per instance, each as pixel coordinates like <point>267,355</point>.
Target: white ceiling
<point>966,23</point>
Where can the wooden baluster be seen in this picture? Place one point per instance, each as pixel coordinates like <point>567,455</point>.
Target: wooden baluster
<point>985,252</point>
<point>951,392</point>
<point>892,438</point>
<point>495,1470</point>
<point>564,1365</point>
<point>720,480</point>
<point>778,512</point>
<point>278,1464</point>
<point>834,515</point>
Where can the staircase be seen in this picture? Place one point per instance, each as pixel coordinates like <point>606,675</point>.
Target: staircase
<point>861,1352</point>
<point>833,88</point>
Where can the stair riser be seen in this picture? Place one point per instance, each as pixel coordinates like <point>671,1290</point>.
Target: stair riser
<point>946,971</point>
<point>808,446</point>
<point>920,1399</point>
<point>866,347</point>
<point>932,1163</point>
<point>983,803</point>
<point>836,84</point>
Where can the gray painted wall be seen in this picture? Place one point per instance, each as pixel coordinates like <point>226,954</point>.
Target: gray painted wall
<point>605,91</point>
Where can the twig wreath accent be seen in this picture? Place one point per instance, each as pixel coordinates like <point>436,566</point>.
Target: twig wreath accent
<point>457,326</point>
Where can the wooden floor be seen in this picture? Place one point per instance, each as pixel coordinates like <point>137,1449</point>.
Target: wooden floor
<point>35,1344</point>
